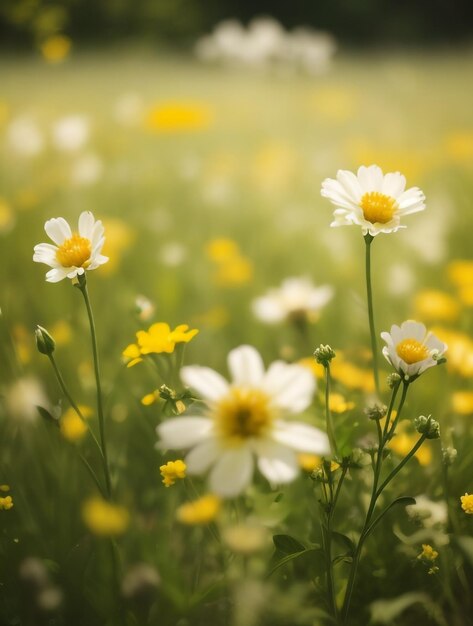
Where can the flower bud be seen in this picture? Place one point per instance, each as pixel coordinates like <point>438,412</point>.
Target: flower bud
<point>449,455</point>
<point>376,411</point>
<point>44,342</point>
<point>393,379</point>
<point>427,426</point>
<point>324,354</point>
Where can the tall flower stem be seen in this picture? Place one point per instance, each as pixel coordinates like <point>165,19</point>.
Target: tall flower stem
<point>328,413</point>
<point>369,292</point>
<point>82,285</point>
<point>384,436</point>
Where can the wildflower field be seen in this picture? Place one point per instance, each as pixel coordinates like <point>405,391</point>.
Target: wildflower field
<point>218,409</point>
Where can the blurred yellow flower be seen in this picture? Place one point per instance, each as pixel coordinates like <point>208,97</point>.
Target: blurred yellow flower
<point>22,339</point>
<point>460,350</point>
<point>7,216</point>
<point>428,553</point>
<point>6,503</point>
<point>334,104</point>
<point>462,402</point>
<point>104,518</point>
<point>176,116</point>
<point>62,332</point>
<point>311,462</point>
<point>273,167</point>
<point>459,146</point>
<point>120,236</point>
<point>72,427</point>
<point>460,272</point>
<point>217,317</point>
<point>56,48</point>
<point>339,404</point>
<point>4,488</point>
<point>246,538</point>
<point>403,443</point>
<point>467,503</point>
<point>150,398</point>
<point>351,375</point>
<point>433,305</point>
<point>222,249</point>
<point>201,511</point>
<point>232,268</point>
<point>171,471</point>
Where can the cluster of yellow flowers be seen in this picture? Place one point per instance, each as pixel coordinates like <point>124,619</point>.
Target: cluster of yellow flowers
<point>467,503</point>
<point>104,518</point>
<point>158,339</point>
<point>171,471</point>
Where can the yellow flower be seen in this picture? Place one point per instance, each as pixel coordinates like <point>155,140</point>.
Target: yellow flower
<point>460,350</point>
<point>120,236</point>
<point>56,48</point>
<point>178,117</point>
<point>150,398</point>
<point>6,503</point>
<point>467,503</point>
<point>104,518</point>
<point>432,305</point>
<point>171,471</point>
<point>132,354</point>
<point>312,462</point>
<point>428,553</point>
<point>338,404</point>
<point>222,249</point>
<point>201,511</point>
<point>72,427</point>
<point>4,488</point>
<point>246,538</point>
<point>160,338</point>
<point>232,268</point>
<point>462,402</point>
<point>7,216</point>
<point>62,333</point>
<point>460,272</point>
<point>403,443</point>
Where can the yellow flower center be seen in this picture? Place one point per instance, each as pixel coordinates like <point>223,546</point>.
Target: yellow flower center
<point>74,252</point>
<point>243,413</point>
<point>377,207</point>
<point>411,351</point>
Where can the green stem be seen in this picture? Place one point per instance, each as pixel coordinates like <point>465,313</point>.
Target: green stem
<point>399,467</point>
<point>89,468</point>
<point>71,400</point>
<point>328,412</point>
<point>390,432</point>
<point>374,348</point>
<point>83,288</point>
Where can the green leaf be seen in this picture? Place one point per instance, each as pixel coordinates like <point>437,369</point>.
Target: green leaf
<point>345,542</point>
<point>279,497</point>
<point>291,557</point>
<point>287,544</point>
<point>45,414</point>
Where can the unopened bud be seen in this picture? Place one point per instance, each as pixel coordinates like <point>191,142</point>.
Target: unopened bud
<point>324,354</point>
<point>44,342</point>
<point>449,455</point>
<point>393,380</point>
<point>376,411</point>
<point>427,426</point>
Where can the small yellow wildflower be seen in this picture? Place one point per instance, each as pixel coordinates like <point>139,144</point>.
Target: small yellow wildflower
<point>462,402</point>
<point>104,518</point>
<point>56,48</point>
<point>132,355</point>
<point>460,272</point>
<point>433,305</point>
<point>62,332</point>
<point>311,462</point>
<point>120,236</point>
<point>428,553</point>
<point>173,470</point>
<point>6,503</point>
<point>233,268</point>
<point>72,427</point>
<point>178,117</point>
<point>338,404</point>
<point>201,511</point>
<point>467,503</point>
<point>150,398</point>
<point>222,249</point>
<point>4,488</point>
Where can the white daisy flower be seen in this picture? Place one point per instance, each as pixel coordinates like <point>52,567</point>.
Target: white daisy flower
<point>374,201</point>
<point>244,420</point>
<point>74,252</point>
<point>411,349</point>
<point>296,298</point>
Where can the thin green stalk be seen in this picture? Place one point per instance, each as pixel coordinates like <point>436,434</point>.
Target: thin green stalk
<point>71,400</point>
<point>83,288</point>
<point>391,430</point>
<point>328,412</point>
<point>374,348</point>
<point>399,467</point>
<point>89,468</point>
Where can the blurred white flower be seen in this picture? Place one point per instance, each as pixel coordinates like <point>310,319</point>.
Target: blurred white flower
<point>311,50</point>
<point>71,133</point>
<point>128,109</point>
<point>400,279</point>
<point>427,511</point>
<point>296,298</point>
<point>173,254</point>
<point>244,419</point>
<point>411,349</point>
<point>24,137</point>
<point>374,201</point>
<point>87,170</point>
<point>22,398</point>
<point>74,252</point>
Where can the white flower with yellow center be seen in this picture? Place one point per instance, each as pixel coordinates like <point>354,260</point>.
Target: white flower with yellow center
<point>296,298</point>
<point>411,349</point>
<point>244,420</point>
<point>74,252</point>
<point>374,201</point>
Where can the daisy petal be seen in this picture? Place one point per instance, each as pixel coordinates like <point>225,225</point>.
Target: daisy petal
<point>202,456</point>
<point>58,230</point>
<point>301,437</point>
<point>56,274</point>
<point>246,366</point>
<point>276,462</point>
<point>232,473</point>
<point>184,432</point>
<point>291,387</point>
<point>86,225</point>
<point>208,383</point>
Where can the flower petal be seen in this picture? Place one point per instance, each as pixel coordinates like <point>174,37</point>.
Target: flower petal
<point>246,366</point>
<point>203,456</point>
<point>184,432</point>
<point>291,387</point>
<point>86,225</point>
<point>58,230</point>
<point>208,383</point>
<point>232,472</point>
<point>276,462</point>
<point>56,274</point>
<point>302,437</point>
